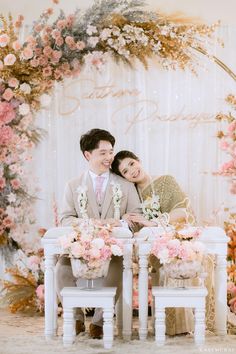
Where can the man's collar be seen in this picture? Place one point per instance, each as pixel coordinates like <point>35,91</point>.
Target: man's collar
<point>94,175</point>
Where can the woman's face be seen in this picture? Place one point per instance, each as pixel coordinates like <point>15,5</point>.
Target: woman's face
<point>131,170</point>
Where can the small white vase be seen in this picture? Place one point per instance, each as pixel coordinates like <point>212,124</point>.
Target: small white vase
<point>81,270</point>
<point>180,269</point>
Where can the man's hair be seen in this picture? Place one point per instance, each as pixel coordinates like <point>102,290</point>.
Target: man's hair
<point>119,157</point>
<point>90,140</point>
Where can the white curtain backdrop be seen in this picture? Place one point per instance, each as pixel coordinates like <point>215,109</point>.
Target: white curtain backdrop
<point>165,117</point>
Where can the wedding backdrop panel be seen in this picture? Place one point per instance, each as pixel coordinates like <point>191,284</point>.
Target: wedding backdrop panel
<point>166,117</point>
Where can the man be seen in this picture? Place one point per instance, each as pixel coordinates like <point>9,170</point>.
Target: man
<point>97,147</point>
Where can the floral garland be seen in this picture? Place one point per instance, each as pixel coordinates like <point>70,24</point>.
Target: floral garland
<point>83,200</point>
<point>121,30</point>
<point>228,144</point>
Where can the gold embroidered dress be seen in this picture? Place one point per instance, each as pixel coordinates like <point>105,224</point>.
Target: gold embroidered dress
<point>178,320</point>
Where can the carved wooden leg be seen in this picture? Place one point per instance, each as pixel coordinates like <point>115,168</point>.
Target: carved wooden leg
<point>50,298</point>
<point>143,292</point>
<point>220,295</point>
<point>119,316</point>
<point>108,327</point>
<point>199,331</point>
<point>160,325</point>
<point>68,327</point>
<point>127,291</point>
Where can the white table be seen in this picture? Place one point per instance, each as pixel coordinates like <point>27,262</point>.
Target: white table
<point>194,297</point>
<point>75,297</point>
<point>52,249</point>
<point>215,241</point>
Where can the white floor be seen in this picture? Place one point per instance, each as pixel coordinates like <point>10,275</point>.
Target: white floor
<point>21,334</point>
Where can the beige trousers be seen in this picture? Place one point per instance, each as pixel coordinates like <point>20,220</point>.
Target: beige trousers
<point>65,278</point>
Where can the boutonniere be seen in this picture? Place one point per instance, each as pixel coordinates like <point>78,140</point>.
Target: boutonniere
<point>116,196</point>
<point>82,201</point>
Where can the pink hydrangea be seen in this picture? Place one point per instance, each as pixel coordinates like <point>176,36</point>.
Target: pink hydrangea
<point>7,113</point>
<point>6,135</point>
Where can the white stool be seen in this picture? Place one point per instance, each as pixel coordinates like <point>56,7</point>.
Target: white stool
<point>176,297</point>
<point>75,297</point>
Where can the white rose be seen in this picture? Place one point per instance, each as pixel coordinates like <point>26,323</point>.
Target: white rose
<point>45,100</point>
<point>24,109</point>
<point>116,250</point>
<point>25,88</point>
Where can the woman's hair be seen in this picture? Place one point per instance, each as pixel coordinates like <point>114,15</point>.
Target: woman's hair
<point>119,157</point>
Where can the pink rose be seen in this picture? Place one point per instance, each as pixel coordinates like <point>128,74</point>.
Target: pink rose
<point>2,182</point>
<point>80,45</point>
<point>47,71</point>
<point>56,34</point>
<point>40,292</point>
<point>34,63</point>
<point>9,59</point>
<point>232,126</point>
<point>8,94</point>
<point>47,51</point>
<point>7,222</point>
<point>59,41</point>
<point>13,82</point>
<point>56,54</point>
<point>15,184</point>
<point>27,53</point>
<point>16,45</point>
<point>4,40</point>
<point>61,24</point>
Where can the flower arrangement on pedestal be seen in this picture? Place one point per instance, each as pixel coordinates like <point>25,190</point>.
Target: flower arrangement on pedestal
<point>92,244</point>
<point>25,291</point>
<point>180,252</point>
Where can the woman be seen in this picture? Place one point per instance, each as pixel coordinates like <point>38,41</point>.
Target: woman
<point>172,200</point>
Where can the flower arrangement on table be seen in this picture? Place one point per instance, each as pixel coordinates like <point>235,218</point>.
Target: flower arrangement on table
<point>92,243</point>
<point>180,252</point>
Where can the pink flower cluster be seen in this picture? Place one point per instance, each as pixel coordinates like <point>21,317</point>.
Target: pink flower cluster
<point>181,245</point>
<point>92,243</point>
<point>231,296</point>
<point>228,144</point>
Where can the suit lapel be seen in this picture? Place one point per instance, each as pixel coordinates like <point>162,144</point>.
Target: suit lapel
<point>108,198</point>
<point>92,204</point>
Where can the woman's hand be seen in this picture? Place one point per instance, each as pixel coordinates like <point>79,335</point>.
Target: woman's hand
<point>134,218</point>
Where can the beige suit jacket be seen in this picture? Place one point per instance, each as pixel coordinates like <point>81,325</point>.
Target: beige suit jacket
<point>70,212</point>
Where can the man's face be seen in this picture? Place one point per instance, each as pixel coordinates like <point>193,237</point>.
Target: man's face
<point>100,159</point>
